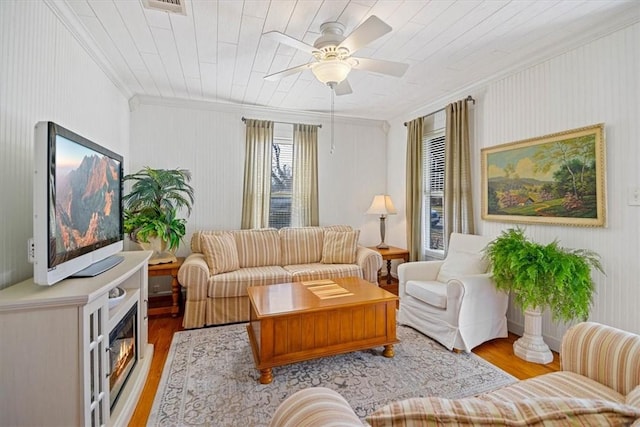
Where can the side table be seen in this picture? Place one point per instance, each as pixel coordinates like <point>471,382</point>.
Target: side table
<point>167,269</point>
<point>391,253</point>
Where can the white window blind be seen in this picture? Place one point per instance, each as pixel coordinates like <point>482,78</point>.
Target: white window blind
<point>281,176</point>
<point>433,164</point>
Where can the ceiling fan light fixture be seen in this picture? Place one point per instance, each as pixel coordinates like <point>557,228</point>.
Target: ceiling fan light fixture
<point>331,72</point>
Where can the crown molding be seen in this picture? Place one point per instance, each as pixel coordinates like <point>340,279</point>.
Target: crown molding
<point>257,112</point>
<point>69,19</point>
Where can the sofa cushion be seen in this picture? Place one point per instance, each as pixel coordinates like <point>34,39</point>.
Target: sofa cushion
<point>430,292</point>
<point>301,272</point>
<point>258,248</point>
<point>340,247</point>
<point>220,252</point>
<point>235,283</point>
<point>544,411</point>
<point>301,245</point>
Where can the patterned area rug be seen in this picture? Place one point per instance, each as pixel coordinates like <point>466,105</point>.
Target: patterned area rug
<point>210,379</point>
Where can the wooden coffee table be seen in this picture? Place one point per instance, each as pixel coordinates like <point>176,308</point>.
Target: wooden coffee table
<point>292,322</point>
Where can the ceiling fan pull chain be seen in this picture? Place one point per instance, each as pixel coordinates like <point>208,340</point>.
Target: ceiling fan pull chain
<point>333,129</point>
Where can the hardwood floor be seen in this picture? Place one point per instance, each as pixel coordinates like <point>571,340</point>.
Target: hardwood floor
<point>161,330</point>
<point>499,352</point>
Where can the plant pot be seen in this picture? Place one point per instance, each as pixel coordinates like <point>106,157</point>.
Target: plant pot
<point>161,255</point>
<point>531,346</point>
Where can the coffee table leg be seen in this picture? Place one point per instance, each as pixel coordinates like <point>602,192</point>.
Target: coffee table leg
<point>388,351</point>
<point>266,376</point>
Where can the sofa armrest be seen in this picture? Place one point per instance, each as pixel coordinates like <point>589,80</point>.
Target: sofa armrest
<point>315,407</point>
<point>194,276</point>
<point>370,262</point>
<point>474,411</point>
<point>603,353</point>
<point>477,297</point>
<point>417,270</point>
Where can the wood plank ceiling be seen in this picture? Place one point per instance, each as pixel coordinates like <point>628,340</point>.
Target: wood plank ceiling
<point>216,51</point>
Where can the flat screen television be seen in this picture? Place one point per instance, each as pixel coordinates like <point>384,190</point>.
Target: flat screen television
<point>78,222</point>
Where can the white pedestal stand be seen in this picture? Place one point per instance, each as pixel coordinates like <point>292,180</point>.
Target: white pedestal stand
<point>531,346</point>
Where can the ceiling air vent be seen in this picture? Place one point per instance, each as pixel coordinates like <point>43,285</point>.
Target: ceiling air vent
<point>172,6</point>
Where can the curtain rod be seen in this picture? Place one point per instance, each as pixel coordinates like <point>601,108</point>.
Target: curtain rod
<point>244,119</point>
<point>468,98</point>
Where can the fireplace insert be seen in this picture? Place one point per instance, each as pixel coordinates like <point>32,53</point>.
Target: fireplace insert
<point>123,352</point>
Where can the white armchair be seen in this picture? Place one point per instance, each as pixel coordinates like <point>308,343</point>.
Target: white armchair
<point>453,301</point>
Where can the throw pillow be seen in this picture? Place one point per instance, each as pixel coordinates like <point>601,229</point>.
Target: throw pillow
<point>460,264</point>
<point>465,257</point>
<point>340,247</point>
<point>220,252</point>
<point>543,411</point>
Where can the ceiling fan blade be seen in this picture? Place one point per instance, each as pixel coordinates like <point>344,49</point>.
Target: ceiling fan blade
<point>343,88</point>
<point>391,68</point>
<point>289,71</point>
<point>290,41</point>
<point>370,30</point>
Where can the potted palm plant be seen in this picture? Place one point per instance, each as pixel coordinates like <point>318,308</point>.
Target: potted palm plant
<point>151,208</point>
<point>542,276</point>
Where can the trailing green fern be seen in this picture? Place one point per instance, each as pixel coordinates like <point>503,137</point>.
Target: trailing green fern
<point>544,275</point>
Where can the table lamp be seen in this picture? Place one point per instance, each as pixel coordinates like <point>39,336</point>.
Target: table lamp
<point>383,206</point>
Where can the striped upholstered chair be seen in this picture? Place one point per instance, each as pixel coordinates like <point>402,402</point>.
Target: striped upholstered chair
<point>598,384</point>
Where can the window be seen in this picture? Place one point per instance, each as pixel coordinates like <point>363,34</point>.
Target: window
<point>433,197</point>
<point>281,176</point>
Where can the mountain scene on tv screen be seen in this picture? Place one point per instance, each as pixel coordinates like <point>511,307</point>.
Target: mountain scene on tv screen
<point>87,203</point>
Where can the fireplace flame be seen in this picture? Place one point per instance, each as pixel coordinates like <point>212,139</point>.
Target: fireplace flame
<point>125,353</point>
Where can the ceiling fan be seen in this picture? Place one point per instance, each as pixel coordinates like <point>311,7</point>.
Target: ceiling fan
<point>332,53</point>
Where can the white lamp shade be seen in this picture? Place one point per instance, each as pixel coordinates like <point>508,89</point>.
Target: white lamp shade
<point>382,205</point>
<point>333,71</point>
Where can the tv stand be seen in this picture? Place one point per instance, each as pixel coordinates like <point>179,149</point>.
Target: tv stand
<point>99,267</point>
<point>56,337</point>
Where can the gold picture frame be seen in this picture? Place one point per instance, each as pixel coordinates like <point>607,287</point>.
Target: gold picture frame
<point>554,179</point>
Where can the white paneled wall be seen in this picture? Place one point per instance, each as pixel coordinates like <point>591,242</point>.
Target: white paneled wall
<point>208,139</point>
<point>207,143</point>
<point>596,83</point>
<point>45,74</point>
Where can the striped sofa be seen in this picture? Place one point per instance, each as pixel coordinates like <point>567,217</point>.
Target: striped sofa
<point>598,385</point>
<point>223,264</point>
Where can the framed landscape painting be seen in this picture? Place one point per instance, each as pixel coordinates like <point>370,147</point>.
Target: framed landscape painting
<point>553,179</point>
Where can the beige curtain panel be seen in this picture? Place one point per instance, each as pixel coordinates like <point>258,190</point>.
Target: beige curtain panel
<point>304,198</point>
<point>458,211</point>
<point>414,188</point>
<point>257,174</point>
